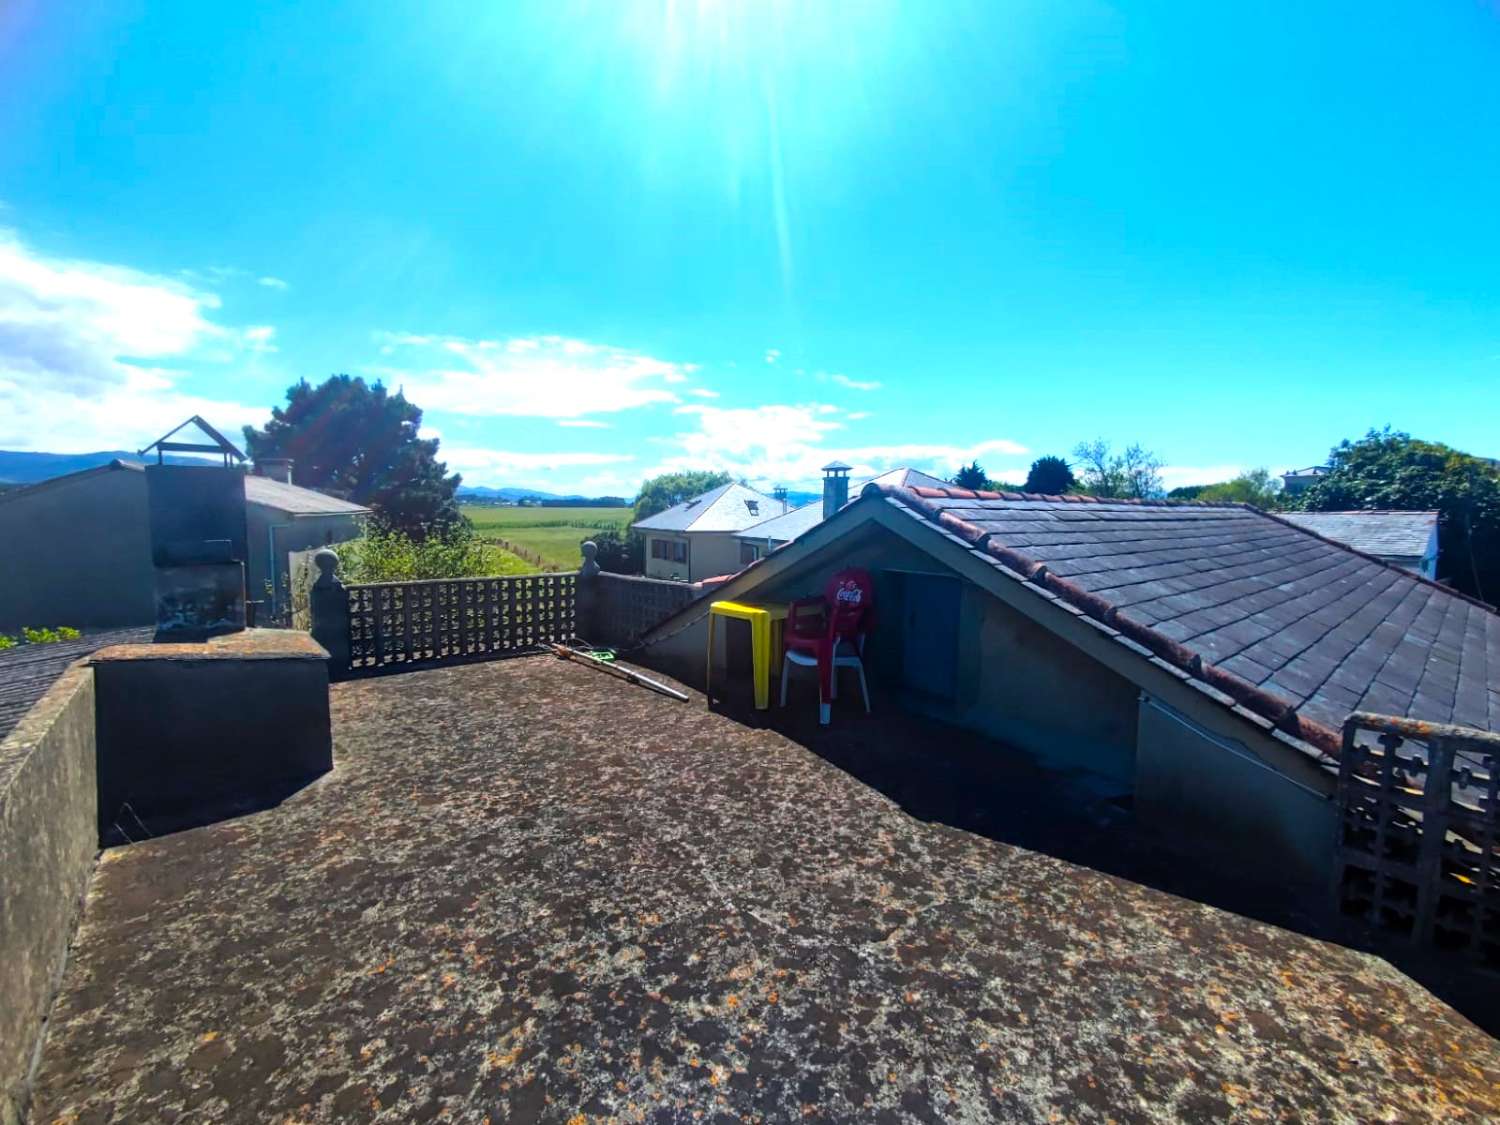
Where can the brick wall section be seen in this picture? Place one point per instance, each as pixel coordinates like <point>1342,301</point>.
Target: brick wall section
<point>623,607</point>
<point>48,841</point>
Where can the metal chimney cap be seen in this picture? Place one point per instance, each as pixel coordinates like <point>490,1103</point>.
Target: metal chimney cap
<point>837,467</point>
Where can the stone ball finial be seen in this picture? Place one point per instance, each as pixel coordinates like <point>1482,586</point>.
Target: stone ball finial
<point>327,561</point>
<point>589,549</point>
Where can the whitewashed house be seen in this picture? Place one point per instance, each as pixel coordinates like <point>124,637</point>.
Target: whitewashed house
<point>696,539</point>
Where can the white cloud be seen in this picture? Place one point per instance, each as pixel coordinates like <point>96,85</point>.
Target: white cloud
<point>855,384</point>
<point>583,424</point>
<point>789,444</point>
<point>505,467</point>
<point>538,376</point>
<point>87,353</point>
<point>258,338</point>
<point>702,392</point>
<point>857,415</point>
<point>772,355</point>
<point>272,283</point>
<point>608,483</point>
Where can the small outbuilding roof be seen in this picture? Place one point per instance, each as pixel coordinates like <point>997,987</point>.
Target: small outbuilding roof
<point>295,500</point>
<point>729,507</point>
<point>1390,535</point>
<point>28,670</point>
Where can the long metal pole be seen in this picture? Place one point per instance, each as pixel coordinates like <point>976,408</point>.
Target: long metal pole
<point>565,653</point>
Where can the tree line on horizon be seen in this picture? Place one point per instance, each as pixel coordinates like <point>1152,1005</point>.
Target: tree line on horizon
<point>357,440</point>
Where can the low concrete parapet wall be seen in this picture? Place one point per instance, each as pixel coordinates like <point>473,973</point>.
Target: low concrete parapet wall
<point>623,607</point>
<point>191,733</point>
<point>48,841</point>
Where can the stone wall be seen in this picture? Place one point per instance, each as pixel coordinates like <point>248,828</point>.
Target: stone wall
<point>48,841</point>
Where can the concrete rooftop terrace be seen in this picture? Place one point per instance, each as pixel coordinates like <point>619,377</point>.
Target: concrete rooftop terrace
<point>529,891</point>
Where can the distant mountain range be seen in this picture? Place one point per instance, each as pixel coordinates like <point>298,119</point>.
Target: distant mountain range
<point>485,492</point>
<point>29,468</point>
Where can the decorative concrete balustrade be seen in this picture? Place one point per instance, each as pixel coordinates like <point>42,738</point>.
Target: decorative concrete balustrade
<point>1419,824</point>
<point>380,624</point>
<point>383,624</point>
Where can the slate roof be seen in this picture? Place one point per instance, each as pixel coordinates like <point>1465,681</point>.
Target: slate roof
<point>1293,626</point>
<point>785,528</point>
<point>27,671</point>
<point>1388,535</point>
<point>729,507</point>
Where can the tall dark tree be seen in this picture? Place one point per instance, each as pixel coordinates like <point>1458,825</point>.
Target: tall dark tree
<point>972,476</point>
<point>1050,475</point>
<point>1393,470</point>
<point>359,441</point>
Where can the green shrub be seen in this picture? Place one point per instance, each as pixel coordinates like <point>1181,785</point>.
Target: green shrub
<point>387,555</point>
<point>42,636</point>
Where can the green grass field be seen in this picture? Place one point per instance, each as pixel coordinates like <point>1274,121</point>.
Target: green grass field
<point>552,533</point>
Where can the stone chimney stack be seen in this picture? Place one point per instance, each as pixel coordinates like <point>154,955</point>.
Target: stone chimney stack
<point>779,495</point>
<point>275,468</point>
<point>835,487</point>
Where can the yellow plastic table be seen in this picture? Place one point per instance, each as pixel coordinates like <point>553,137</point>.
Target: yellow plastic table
<point>765,639</point>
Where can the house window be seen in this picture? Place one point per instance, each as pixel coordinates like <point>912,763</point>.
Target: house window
<point>672,550</point>
<point>749,552</point>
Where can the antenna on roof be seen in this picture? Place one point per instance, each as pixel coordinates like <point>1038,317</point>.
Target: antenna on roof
<point>221,444</point>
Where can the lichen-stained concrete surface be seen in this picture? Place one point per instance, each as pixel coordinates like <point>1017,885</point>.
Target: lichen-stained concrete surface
<point>530,891</point>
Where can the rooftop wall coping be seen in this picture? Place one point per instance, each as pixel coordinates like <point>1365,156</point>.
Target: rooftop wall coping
<point>37,722</point>
<point>250,644</point>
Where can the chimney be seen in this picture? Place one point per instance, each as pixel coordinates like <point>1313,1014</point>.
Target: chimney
<point>275,468</point>
<point>779,495</point>
<point>835,487</point>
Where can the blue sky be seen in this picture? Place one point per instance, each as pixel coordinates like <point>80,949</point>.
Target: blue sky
<point>597,240</point>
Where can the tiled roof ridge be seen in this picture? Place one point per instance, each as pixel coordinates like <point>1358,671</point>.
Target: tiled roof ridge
<point>1278,711</point>
<point>956,493</point>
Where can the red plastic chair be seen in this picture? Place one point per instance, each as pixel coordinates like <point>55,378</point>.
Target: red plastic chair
<point>817,628</point>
